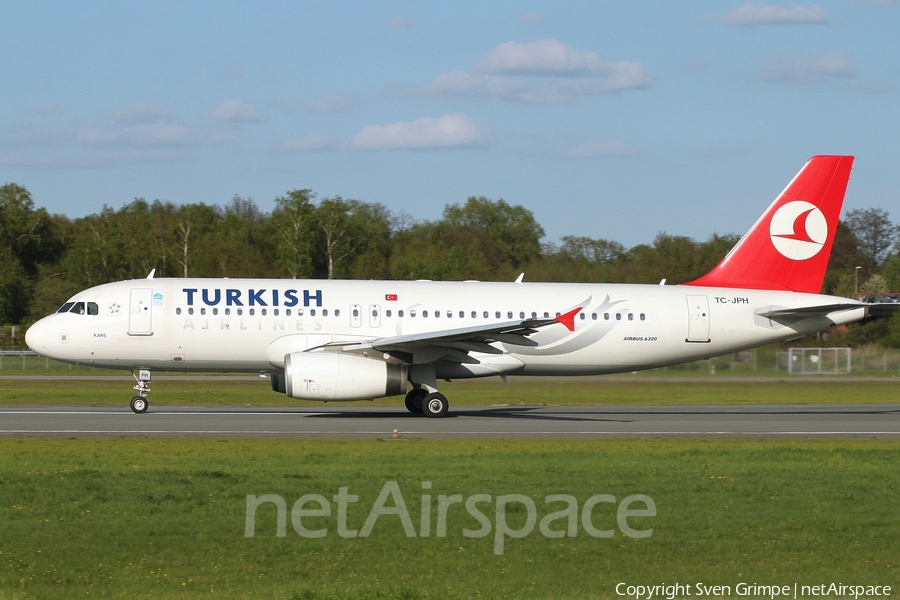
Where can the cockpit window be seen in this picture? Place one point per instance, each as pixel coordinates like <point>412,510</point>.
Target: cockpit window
<point>77,308</point>
<point>93,309</point>
<point>65,307</point>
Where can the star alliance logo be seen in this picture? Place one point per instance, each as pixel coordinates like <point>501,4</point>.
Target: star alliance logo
<point>114,308</point>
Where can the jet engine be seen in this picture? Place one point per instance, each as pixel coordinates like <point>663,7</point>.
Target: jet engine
<point>336,376</point>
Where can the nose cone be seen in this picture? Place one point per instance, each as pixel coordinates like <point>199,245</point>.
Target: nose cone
<point>36,337</point>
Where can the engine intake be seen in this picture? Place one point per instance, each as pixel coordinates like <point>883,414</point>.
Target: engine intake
<point>336,376</point>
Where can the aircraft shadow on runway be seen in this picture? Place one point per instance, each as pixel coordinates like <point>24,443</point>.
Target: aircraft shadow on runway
<point>543,413</point>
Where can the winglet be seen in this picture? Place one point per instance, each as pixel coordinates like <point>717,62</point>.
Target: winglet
<point>568,319</point>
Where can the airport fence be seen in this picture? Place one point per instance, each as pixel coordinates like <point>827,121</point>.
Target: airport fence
<point>766,361</point>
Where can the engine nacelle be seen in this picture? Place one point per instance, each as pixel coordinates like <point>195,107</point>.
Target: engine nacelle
<point>336,376</point>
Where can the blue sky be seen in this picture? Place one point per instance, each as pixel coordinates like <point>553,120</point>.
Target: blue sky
<point>613,120</point>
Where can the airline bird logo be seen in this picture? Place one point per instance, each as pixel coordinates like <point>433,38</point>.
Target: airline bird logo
<point>798,230</point>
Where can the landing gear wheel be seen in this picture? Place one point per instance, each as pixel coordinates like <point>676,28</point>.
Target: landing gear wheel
<point>414,400</point>
<point>139,404</point>
<point>435,405</point>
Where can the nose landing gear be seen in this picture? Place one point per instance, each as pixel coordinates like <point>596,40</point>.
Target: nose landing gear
<point>139,403</point>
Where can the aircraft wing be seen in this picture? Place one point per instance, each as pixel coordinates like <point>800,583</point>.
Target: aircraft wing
<point>454,345</point>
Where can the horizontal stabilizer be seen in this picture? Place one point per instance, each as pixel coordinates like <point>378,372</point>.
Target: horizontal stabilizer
<point>806,312</point>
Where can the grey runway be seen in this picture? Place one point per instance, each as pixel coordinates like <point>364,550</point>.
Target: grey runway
<point>753,422</point>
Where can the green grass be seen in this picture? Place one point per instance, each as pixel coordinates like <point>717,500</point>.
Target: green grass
<point>531,391</point>
<point>165,518</point>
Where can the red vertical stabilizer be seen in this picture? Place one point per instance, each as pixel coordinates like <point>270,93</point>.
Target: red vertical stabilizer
<point>789,246</point>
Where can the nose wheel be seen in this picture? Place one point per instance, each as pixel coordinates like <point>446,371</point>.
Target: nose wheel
<point>139,403</point>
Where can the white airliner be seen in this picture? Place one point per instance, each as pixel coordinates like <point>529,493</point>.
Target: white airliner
<point>359,340</point>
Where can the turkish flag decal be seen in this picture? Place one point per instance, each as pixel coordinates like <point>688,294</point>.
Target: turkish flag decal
<point>390,297</point>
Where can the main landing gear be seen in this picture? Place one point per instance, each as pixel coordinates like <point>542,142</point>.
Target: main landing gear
<point>422,401</point>
<point>139,403</point>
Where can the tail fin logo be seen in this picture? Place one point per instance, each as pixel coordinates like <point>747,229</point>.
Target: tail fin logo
<point>798,230</point>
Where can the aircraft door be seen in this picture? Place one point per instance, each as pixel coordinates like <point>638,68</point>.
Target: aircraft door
<point>355,315</point>
<point>140,313</point>
<point>698,319</point>
<point>374,316</point>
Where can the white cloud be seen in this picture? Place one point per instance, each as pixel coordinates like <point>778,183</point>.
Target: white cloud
<point>547,57</point>
<point>531,17</point>
<point>781,68</point>
<point>50,109</point>
<point>601,150</point>
<point>544,71</point>
<point>235,110</point>
<point>329,103</point>
<point>401,23</point>
<point>139,126</point>
<point>94,159</point>
<point>312,142</point>
<point>449,131</point>
<point>695,66</point>
<point>139,112</point>
<point>141,135</point>
<point>754,13</point>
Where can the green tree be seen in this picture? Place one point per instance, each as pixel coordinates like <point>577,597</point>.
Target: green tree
<point>28,239</point>
<point>874,232</point>
<point>294,226</point>
<point>510,233</point>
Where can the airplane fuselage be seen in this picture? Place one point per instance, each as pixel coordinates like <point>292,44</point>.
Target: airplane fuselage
<point>251,324</point>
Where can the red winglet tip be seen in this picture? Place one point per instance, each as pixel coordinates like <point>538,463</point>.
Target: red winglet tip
<point>568,319</point>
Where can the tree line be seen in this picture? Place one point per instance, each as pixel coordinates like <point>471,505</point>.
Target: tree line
<point>46,258</point>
